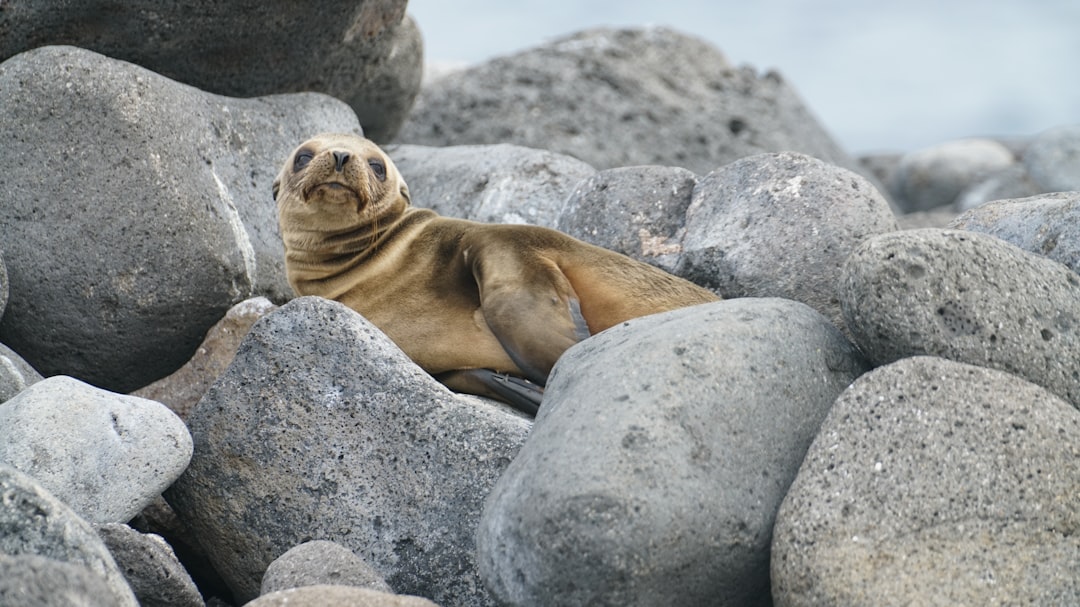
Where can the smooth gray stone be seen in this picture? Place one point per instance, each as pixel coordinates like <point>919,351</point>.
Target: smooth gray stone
<point>1053,159</point>
<point>935,176</point>
<point>34,523</point>
<point>322,427</point>
<point>106,455</point>
<point>933,482</point>
<point>137,210</point>
<point>15,373</point>
<point>150,567</point>
<point>660,456</point>
<point>320,562</point>
<point>968,297</point>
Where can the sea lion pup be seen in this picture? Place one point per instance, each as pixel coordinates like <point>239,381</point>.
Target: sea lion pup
<point>482,307</point>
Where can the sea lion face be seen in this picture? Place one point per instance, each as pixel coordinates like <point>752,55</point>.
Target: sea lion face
<point>338,182</point>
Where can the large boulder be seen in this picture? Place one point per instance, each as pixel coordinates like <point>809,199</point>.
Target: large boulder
<point>933,482</point>
<point>660,456</point>
<point>968,297</point>
<point>780,225</point>
<point>35,523</point>
<point>135,210</point>
<point>618,98</point>
<point>106,455</point>
<point>366,52</point>
<point>322,427</point>
<point>489,183</point>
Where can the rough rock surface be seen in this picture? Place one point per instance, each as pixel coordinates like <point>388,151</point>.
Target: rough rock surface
<point>35,581</point>
<point>621,98</point>
<point>779,225</point>
<point>489,183</point>
<point>320,562</point>
<point>182,390</point>
<point>637,211</point>
<point>1053,159</point>
<point>323,428</point>
<point>367,53</point>
<point>150,567</point>
<point>106,455</point>
<point>33,522</point>
<point>935,176</point>
<point>968,297</point>
<point>136,211</point>
<point>656,483</point>
<point>15,373</point>
<point>935,483</point>
<point>1047,224</point>
<point>337,596</point>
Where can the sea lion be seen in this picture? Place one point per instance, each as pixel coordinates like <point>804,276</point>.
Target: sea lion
<point>485,308</point>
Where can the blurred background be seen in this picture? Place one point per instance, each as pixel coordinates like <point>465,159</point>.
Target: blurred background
<point>881,76</point>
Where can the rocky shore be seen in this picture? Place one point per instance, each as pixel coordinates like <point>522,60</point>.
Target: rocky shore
<point>882,411</point>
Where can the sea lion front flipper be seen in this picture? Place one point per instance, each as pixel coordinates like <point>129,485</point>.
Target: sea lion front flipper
<point>532,310</point>
<point>519,393</point>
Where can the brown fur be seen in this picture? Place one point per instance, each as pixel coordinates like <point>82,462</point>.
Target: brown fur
<point>453,294</point>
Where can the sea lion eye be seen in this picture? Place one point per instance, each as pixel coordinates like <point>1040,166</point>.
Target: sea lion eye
<point>378,168</point>
<point>303,157</point>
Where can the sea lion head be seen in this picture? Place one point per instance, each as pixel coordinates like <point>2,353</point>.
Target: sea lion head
<point>336,184</point>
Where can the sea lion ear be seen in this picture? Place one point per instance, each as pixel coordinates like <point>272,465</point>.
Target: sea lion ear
<point>277,187</point>
<point>405,193</point>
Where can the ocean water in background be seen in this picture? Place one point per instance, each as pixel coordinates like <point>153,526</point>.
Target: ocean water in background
<point>881,76</point>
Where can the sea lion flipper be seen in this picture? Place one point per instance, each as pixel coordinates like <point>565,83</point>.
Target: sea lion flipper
<point>521,394</point>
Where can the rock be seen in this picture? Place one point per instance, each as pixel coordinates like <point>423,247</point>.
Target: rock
<point>621,97</point>
<point>779,225</point>
<point>321,427</point>
<point>1045,225</point>
<point>3,285</point>
<point>337,596</point>
<point>37,524</point>
<point>320,562</point>
<point>106,455</point>
<point>182,390</point>
<point>1053,159</point>
<point>155,218</point>
<point>150,567</point>
<point>15,373</point>
<point>968,297</point>
<point>1010,182</point>
<point>935,483</point>
<point>935,218</point>
<point>637,211</point>
<point>489,183</point>
<point>656,483</point>
<point>36,581</point>
<point>933,177</point>
<point>367,53</point>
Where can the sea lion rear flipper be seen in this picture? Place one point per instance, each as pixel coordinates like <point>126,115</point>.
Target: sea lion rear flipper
<point>519,393</point>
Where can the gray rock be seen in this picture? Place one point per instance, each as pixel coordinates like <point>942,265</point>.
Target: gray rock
<point>1010,182</point>
<point>320,562</point>
<point>36,523</point>
<point>935,218</point>
<point>637,211</point>
<point>322,427</point>
<point>365,52</point>
<point>155,218</point>
<point>779,225</point>
<point>935,483</point>
<point>106,455</point>
<point>933,177</point>
<point>182,390</point>
<point>1053,159</point>
<point>36,581</point>
<point>15,373</point>
<point>150,567</point>
<point>337,596</point>
<point>3,285</point>
<point>621,98</point>
<point>489,183</point>
<point>968,297</point>
<point>1048,225</point>
<point>656,482</point>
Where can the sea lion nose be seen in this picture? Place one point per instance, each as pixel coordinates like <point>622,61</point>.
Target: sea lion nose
<point>340,158</point>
